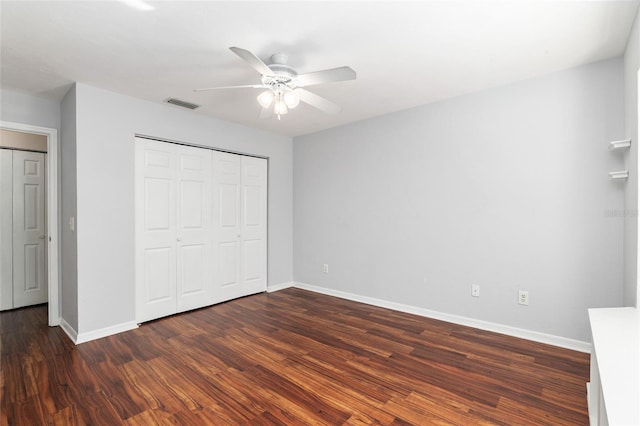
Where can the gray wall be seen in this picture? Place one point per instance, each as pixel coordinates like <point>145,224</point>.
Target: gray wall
<point>22,108</point>
<point>26,109</point>
<point>631,66</point>
<point>506,188</point>
<point>106,123</point>
<point>68,287</point>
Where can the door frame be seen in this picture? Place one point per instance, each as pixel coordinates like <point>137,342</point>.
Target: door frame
<point>53,267</point>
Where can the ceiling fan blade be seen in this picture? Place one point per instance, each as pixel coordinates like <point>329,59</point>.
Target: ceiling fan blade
<point>246,86</point>
<point>325,76</point>
<point>319,102</point>
<point>252,60</point>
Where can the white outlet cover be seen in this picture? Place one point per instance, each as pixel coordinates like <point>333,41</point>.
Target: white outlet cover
<point>475,290</point>
<point>523,297</point>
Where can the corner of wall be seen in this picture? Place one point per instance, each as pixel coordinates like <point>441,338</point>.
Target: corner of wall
<point>631,285</point>
<point>68,196</point>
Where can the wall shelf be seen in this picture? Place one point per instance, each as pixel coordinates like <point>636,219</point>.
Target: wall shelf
<point>619,145</point>
<point>622,174</point>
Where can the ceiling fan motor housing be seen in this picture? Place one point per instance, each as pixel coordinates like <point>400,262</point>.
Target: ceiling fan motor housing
<point>279,81</point>
<point>283,75</point>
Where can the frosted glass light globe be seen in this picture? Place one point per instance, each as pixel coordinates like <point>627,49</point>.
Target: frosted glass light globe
<point>292,99</point>
<point>265,98</point>
<point>280,107</point>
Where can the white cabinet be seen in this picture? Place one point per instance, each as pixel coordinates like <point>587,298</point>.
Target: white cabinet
<point>23,246</point>
<point>200,227</point>
<point>614,390</point>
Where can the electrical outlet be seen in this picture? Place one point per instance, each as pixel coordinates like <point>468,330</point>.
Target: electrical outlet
<point>475,290</point>
<point>325,268</point>
<point>523,297</point>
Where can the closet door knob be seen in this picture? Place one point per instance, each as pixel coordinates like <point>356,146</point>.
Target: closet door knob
<point>179,239</point>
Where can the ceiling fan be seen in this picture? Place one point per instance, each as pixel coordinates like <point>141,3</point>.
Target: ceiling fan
<point>284,86</point>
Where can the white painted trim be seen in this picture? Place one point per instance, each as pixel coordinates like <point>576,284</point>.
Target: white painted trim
<point>52,212</point>
<point>105,332</point>
<point>535,336</point>
<point>637,195</point>
<point>70,331</point>
<point>79,338</point>
<point>281,286</point>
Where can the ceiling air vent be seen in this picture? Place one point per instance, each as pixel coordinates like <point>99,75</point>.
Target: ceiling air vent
<point>183,104</point>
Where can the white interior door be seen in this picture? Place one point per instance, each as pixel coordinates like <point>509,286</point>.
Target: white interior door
<point>156,243</point>
<point>194,236</point>
<point>226,216</point>
<point>253,235</point>
<point>29,229</point>
<point>240,239</point>
<point>201,227</point>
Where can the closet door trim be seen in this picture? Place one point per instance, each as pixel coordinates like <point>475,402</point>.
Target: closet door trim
<point>53,225</point>
<point>6,229</point>
<point>195,145</point>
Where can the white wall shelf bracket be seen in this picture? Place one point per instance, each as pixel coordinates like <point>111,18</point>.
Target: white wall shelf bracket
<point>619,145</point>
<point>622,174</point>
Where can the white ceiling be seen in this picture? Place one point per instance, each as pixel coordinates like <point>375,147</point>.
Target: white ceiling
<point>405,53</point>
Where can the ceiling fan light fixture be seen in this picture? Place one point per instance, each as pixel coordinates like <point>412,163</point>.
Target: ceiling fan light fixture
<point>280,107</point>
<point>265,98</point>
<point>284,86</point>
<point>291,99</point>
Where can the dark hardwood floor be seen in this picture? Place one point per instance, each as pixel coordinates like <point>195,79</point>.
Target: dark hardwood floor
<point>290,357</point>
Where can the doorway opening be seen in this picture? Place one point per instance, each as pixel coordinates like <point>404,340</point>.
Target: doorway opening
<point>51,238</point>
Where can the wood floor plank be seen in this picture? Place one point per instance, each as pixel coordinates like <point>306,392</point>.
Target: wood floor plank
<point>286,358</point>
<point>27,412</point>
<point>65,417</point>
<point>119,391</point>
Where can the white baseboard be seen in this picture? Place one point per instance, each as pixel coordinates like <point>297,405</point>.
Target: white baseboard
<point>104,332</point>
<point>280,286</point>
<point>535,336</point>
<point>69,331</point>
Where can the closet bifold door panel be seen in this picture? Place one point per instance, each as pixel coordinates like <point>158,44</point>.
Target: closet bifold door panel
<point>194,228</point>
<point>201,227</point>
<point>29,229</point>
<point>240,218</point>
<point>23,264</point>
<point>173,229</point>
<point>253,234</point>
<point>156,230</point>
<point>240,225</point>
